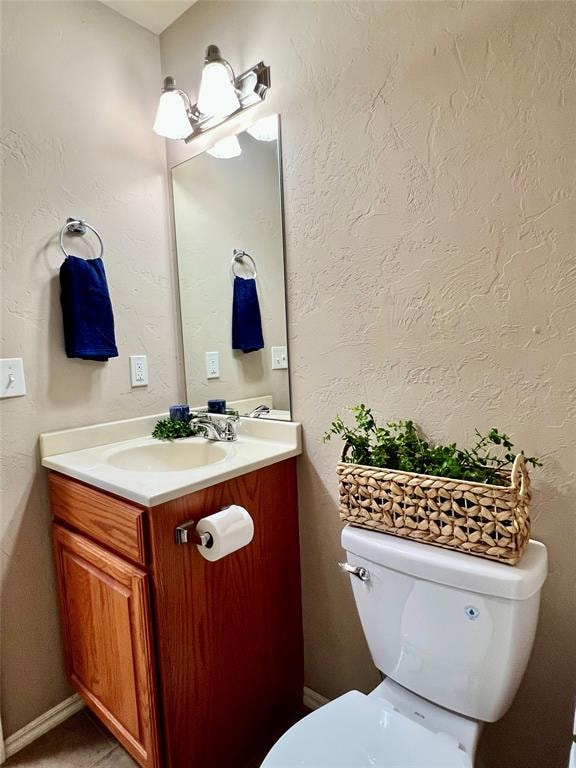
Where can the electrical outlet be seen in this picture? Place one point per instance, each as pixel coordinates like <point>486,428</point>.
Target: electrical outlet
<point>139,370</point>
<point>12,382</point>
<point>279,358</point>
<point>212,365</point>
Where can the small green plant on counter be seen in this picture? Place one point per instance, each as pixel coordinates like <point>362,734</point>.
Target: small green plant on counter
<point>168,429</point>
<point>400,445</point>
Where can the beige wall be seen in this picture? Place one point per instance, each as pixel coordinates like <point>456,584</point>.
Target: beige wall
<point>219,205</point>
<point>429,181</point>
<point>79,90</point>
<point>430,194</point>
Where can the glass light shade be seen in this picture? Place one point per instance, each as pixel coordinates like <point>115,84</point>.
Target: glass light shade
<point>265,129</point>
<point>217,96</point>
<point>226,148</point>
<point>171,118</point>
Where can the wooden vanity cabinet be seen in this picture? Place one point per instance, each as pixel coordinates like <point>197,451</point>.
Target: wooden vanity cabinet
<point>190,663</point>
<point>106,628</point>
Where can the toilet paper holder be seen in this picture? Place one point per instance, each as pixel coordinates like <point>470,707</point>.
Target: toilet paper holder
<point>187,533</point>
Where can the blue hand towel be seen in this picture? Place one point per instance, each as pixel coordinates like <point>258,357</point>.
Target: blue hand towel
<point>246,321</point>
<point>86,309</point>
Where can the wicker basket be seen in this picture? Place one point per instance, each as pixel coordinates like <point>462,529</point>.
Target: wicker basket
<point>489,521</point>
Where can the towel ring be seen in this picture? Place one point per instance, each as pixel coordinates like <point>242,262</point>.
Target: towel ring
<point>69,227</point>
<point>238,258</point>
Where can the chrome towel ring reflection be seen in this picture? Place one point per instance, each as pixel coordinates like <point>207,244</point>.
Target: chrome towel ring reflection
<point>78,227</point>
<point>238,258</point>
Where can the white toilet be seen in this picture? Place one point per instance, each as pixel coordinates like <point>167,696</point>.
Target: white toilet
<point>453,635</point>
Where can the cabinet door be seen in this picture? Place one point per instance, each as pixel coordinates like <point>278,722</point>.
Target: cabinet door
<point>105,609</point>
<point>231,659</point>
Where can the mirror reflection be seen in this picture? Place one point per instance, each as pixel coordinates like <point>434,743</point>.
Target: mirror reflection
<point>230,248</point>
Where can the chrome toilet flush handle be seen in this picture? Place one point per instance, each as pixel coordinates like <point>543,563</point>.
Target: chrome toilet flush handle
<point>355,570</point>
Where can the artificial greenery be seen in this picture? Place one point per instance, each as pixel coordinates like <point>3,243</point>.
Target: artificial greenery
<point>169,429</point>
<point>400,445</point>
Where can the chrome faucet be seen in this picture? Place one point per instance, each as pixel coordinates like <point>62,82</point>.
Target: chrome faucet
<point>221,427</point>
<point>258,412</point>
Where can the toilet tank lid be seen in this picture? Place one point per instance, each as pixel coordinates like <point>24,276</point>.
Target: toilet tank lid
<point>454,569</point>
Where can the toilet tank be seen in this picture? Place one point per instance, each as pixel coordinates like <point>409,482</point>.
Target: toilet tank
<point>455,629</point>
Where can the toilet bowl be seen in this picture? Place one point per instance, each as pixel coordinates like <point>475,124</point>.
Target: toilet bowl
<point>453,633</point>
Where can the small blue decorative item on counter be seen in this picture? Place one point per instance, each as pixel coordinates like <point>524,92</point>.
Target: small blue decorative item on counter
<point>216,406</point>
<point>180,412</point>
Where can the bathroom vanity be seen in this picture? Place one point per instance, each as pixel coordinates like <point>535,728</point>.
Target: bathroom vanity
<point>188,662</point>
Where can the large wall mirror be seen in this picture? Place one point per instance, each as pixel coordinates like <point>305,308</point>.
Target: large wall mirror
<point>230,246</point>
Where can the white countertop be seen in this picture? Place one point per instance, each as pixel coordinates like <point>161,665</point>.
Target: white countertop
<point>86,454</point>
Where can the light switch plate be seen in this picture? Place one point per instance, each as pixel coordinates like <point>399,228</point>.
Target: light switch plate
<point>212,365</point>
<point>12,383</point>
<point>139,370</point>
<point>279,358</point>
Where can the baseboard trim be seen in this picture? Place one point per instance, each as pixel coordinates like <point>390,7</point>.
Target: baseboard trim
<point>69,707</point>
<point>42,725</point>
<point>313,700</point>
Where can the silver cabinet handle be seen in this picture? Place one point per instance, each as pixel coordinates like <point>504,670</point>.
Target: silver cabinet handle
<point>356,570</point>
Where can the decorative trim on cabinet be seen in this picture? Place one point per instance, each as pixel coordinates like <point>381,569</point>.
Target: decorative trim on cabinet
<point>42,724</point>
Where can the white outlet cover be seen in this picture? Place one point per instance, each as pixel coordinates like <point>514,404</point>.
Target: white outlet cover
<point>139,370</point>
<point>212,365</point>
<point>279,358</point>
<point>12,383</point>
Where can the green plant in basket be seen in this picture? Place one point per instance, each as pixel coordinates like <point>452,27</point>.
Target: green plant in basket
<point>400,445</point>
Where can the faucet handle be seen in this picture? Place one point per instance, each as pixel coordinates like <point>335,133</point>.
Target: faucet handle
<point>259,411</point>
<point>220,426</point>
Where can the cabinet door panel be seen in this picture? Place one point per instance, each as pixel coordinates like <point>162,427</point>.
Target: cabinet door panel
<point>107,640</point>
<point>230,632</point>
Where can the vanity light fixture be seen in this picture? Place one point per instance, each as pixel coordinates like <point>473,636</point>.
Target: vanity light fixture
<point>265,129</point>
<point>221,95</point>
<point>226,148</point>
<point>172,117</point>
<point>217,95</point>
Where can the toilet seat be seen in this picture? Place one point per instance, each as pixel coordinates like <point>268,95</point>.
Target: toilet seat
<point>358,731</point>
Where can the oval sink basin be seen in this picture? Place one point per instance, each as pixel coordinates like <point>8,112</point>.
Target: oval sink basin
<point>167,457</point>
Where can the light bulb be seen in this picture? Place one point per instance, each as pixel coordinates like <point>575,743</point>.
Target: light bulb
<point>265,129</point>
<point>226,148</point>
<point>172,120</point>
<point>217,97</point>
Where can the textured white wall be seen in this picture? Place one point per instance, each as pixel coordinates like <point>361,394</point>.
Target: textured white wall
<point>429,176</point>
<point>79,91</point>
<point>222,204</point>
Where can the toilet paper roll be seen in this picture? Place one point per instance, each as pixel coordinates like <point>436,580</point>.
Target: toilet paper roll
<point>232,528</point>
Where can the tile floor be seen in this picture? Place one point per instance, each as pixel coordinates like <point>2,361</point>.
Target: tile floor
<point>79,742</point>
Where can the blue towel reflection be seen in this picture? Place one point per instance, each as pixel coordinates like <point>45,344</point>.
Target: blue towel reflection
<point>246,320</point>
